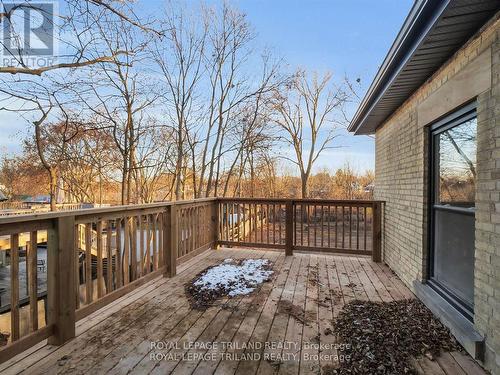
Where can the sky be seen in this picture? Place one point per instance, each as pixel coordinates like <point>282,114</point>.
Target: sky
<point>346,37</point>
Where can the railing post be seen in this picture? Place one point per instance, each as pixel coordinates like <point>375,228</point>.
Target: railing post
<point>377,232</point>
<point>289,228</point>
<point>171,242</point>
<point>215,221</point>
<point>61,288</point>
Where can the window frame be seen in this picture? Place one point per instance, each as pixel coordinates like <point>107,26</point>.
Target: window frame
<point>452,119</point>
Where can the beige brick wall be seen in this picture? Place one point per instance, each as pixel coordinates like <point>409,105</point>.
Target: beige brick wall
<point>487,277</point>
<point>401,175</point>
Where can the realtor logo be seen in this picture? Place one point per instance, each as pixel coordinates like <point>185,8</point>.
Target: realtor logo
<point>28,29</point>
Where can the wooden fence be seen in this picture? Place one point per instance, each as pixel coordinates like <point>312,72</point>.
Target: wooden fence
<point>95,256</point>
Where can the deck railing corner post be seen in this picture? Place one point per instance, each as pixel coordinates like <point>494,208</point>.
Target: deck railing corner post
<point>61,288</point>
<point>171,243</point>
<point>216,222</point>
<point>377,232</point>
<point>289,228</point>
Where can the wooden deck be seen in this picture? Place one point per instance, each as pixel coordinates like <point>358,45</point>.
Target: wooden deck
<point>118,338</point>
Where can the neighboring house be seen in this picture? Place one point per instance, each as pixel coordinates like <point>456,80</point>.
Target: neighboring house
<point>434,107</point>
<point>38,199</point>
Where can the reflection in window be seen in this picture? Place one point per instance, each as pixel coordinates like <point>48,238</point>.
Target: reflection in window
<point>457,164</point>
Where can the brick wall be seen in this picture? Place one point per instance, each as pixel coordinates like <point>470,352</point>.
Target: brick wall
<point>401,180</point>
<point>487,277</point>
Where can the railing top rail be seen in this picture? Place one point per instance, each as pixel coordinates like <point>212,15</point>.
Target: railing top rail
<point>96,211</point>
<point>340,202</point>
<point>308,200</point>
<point>83,213</point>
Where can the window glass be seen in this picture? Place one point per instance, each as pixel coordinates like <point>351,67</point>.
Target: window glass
<point>457,164</point>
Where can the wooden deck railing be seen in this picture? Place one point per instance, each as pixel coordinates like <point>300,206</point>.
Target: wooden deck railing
<point>79,261</point>
<point>14,205</point>
<point>341,226</point>
<point>27,208</point>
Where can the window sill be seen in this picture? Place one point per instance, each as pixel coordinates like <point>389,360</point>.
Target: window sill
<point>460,326</point>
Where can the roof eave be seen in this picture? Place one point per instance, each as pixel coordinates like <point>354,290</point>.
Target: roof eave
<point>415,27</point>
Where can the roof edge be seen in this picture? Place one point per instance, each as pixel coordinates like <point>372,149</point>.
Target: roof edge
<point>422,17</point>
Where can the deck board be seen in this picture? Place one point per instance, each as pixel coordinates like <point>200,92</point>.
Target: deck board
<point>247,327</point>
<point>310,332</point>
<point>294,327</point>
<point>325,311</point>
<point>264,324</point>
<point>117,338</point>
<point>232,326</point>
<point>96,344</point>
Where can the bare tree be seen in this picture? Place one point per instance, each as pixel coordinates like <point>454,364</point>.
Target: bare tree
<point>230,87</point>
<point>90,164</point>
<point>204,61</point>
<point>306,111</point>
<point>255,140</point>
<point>43,98</point>
<point>51,143</point>
<point>119,93</point>
<point>182,112</point>
<point>74,33</point>
<point>156,158</point>
<point>17,174</point>
<point>179,56</point>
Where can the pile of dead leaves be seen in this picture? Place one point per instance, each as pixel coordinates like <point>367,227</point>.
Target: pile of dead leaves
<point>201,299</point>
<point>381,338</point>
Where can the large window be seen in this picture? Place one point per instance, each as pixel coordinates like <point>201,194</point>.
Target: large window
<point>452,214</point>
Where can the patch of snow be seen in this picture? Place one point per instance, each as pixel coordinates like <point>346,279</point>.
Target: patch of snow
<point>236,279</point>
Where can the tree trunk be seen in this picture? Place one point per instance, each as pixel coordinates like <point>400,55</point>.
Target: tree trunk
<point>100,188</point>
<point>252,180</point>
<point>124,178</point>
<point>53,187</point>
<point>305,192</point>
<point>178,167</point>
